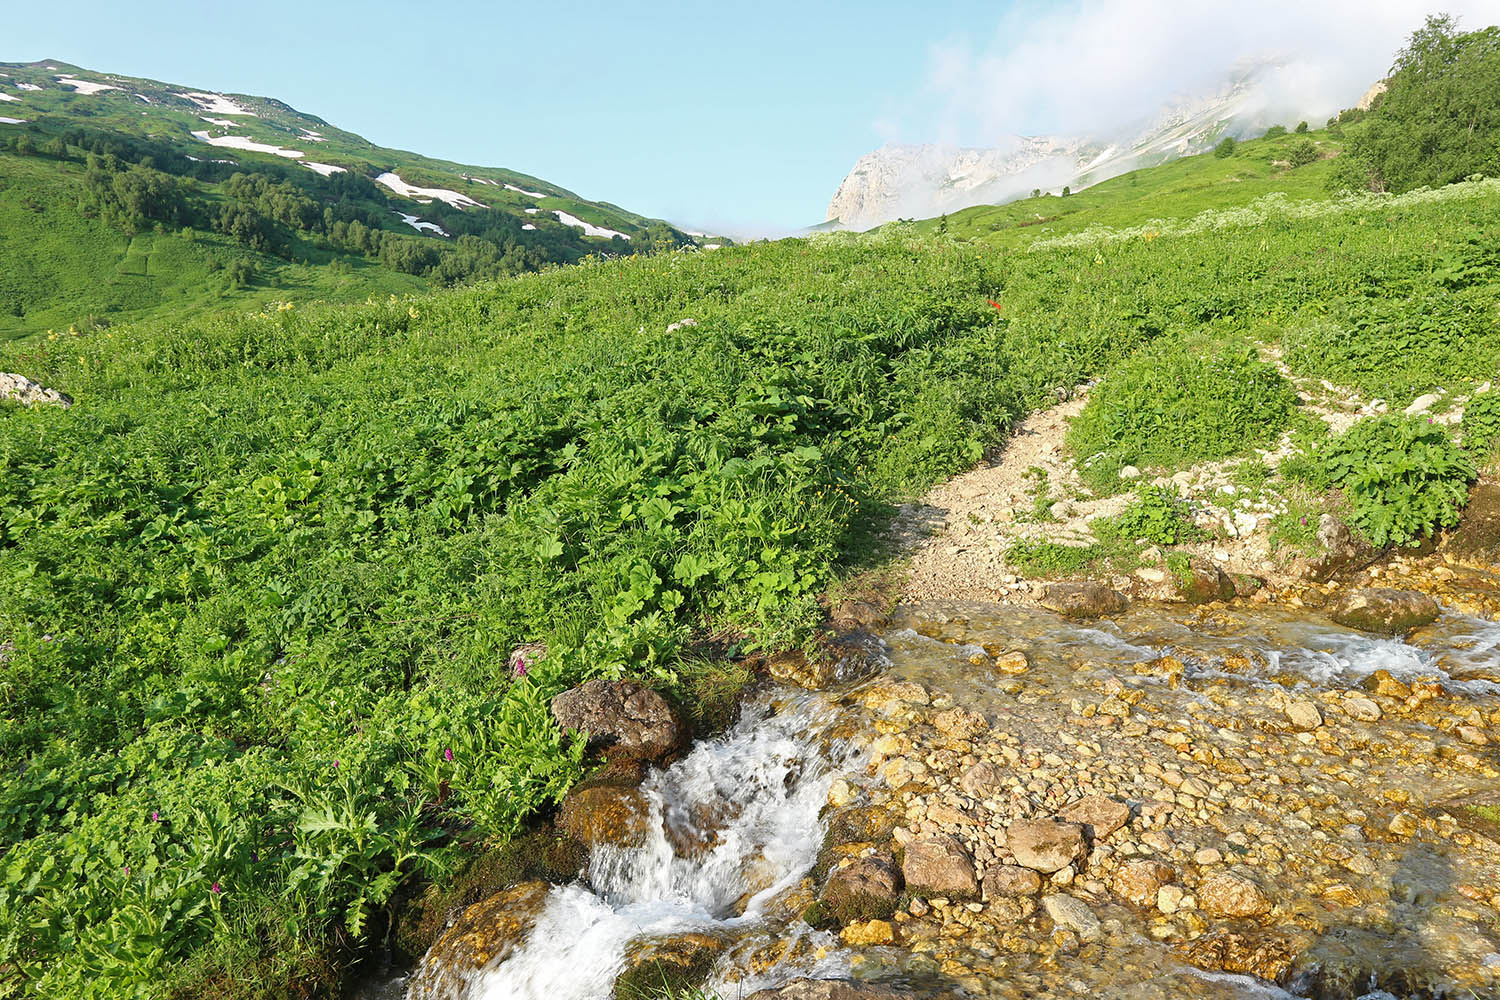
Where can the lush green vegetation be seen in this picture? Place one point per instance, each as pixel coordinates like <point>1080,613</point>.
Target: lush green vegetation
<point>260,584</point>
<point>1176,403</point>
<point>1158,514</point>
<point>1403,477</point>
<point>1481,426</point>
<point>1438,120</point>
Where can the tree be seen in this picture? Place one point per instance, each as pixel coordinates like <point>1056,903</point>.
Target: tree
<point>1226,148</point>
<point>1439,119</point>
<point>1067,190</point>
<point>1036,192</point>
<point>943,224</point>
<point>1275,130</point>
<point>1301,128</point>
<point>1303,153</point>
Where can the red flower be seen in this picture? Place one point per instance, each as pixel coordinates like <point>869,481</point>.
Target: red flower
<point>995,304</point>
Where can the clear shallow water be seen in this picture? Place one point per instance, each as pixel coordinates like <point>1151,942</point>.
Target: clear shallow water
<point>735,825</point>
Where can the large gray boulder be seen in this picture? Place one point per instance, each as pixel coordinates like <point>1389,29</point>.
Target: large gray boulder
<point>623,719</point>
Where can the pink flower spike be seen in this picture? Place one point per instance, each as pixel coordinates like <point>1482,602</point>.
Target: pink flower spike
<point>335,765</point>
<point>155,816</point>
<point>448,754</point>
<point>215,888</point>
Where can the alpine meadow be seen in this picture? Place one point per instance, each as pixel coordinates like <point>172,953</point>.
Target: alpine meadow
<point>336,506</point>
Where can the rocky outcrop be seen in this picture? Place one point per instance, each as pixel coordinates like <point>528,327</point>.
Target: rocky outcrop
<point>20,389</point>
<point>623,719</point>
<point>484,934</point>
<point>1388,612</point>
<point>1082,601</point>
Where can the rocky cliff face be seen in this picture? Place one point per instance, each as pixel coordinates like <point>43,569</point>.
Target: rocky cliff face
<point>921,181</point>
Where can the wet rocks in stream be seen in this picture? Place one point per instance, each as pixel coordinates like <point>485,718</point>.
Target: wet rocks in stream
<point>623,720</point>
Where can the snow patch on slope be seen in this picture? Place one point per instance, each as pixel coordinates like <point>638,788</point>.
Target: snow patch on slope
<point>8,97</point>
<point>217,104</point>
<point>529,194</point>
<point>396,184</point>
<point>84,86</point>
<point>326,169</point>
<point>420,226</point>
<point>589,229</point>
<point>12,121</point>
<point>28,86</point>
<point>249,145</point>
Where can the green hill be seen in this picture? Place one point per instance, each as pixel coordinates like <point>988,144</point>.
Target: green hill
<point>118,201</point>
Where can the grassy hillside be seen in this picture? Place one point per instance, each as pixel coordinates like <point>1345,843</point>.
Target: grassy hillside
<point>117,204</point>
<point>262,580</point>
<point>64,269</point>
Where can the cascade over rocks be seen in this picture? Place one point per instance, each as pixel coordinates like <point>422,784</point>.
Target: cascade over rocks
<point>20,389</point>
<point>623,719</point>
<point>1084,600</point>
<point>1388,612</point>
<point>484,934</point>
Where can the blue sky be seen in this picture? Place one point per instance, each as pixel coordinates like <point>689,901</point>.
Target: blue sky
<point>731,115</point>
<point>724,113</point>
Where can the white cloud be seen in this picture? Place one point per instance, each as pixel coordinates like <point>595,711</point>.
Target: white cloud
<point>1092,65</point>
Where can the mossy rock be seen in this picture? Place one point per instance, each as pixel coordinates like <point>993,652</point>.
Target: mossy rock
<point>665,968</point>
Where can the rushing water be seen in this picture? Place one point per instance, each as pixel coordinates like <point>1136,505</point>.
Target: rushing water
<point>735,826</point>
<point>754,795</point>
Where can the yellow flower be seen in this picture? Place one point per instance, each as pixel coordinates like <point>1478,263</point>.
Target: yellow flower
<point>412,312</point>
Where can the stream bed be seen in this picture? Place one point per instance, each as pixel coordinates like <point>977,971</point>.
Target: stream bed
<point>1312,812</point>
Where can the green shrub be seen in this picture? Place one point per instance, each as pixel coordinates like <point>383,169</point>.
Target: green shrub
<point>1226,147</point>
<point>1158,514</point>
<point>1403,477</point>
<point>1275,131</point>
<point>1481,426</point>
<point>1173,405</point>
<point>1051,558</point>
<point>1303,153</point>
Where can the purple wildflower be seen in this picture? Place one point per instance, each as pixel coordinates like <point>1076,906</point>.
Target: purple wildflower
<point>254,858</point>
<point>521,666</point>
<point>448,754</point>
<point>155,816</point>
<point>335,765</point>
<point>214,888</point>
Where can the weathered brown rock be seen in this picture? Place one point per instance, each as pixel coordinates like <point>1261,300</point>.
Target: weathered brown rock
<point>1342,550</point>
<point>1045,845</point>
<point>1266,954</point>
<point>606,809</point>
<point>623,719</point>
<point>826,989</point>
<point>1136,882</point>
<point>865,889</point>
<point>982,781</point>
<point>1084,600</point>
<point>675,963</point>
<point>959,723</point>
<point>1476,540</point>
<point>1002,881</point>
<point>1229,894</point>
<point>939,866</point>
<point>1099,815</point>
<point>1202,582</point>
<point>485,933</point>
<point>1384,611</point>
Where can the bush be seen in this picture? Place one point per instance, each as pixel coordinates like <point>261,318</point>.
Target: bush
<point>1481,427</point>
<point>1403,477</point>
<point>1158,514</point>
<point>1170,406</point>
<point>1275,131</point>
<point>1301,128</point>
<point>1226,149</point>
<point>1303,153</point>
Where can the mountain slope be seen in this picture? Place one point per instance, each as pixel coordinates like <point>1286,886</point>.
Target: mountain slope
<point>918,181</point>
<point>90,163</point>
